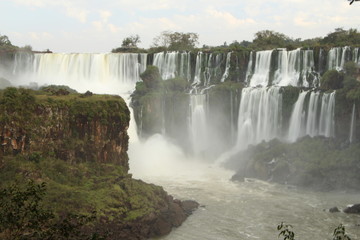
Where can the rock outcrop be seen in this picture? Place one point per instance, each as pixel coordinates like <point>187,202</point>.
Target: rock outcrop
<point>84,142</point>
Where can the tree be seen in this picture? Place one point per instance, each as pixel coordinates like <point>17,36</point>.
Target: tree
<point>131,42</point>
<point>268,39</point>
<point>4,41</point>
<point>176,40</point>
<point>22,216</point>
<point>332,79</point>
<point>342,37</point>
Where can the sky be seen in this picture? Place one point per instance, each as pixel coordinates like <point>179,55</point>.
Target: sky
<point>100,25</point>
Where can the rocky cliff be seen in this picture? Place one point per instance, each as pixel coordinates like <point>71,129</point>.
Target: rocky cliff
<point>78,145</point>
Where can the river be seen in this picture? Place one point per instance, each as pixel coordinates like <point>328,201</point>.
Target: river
<point>237,210</point>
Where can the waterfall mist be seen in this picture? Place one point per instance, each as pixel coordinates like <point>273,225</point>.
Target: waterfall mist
<point>202,132</point>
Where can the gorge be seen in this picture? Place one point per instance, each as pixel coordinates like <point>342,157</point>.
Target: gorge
<point>202,116</point>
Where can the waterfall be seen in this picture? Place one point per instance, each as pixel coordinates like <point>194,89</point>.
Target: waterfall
<point>309,119</point>
<point>297,119</point>
<point>23,62</point>
<point>227,67</point>
<point>143,62</point>
<point>95,72</point>
<point>249,70</point>
<point>312,115</point>
<point>185,69</point>
<point>308,73</point>
<point>197,77</point>
<point>356,56</point>
<point>352,125</point>
<point>261,74</point>
<point>288,71</point>
<point>208,73</point>
<point>167,63</point>
<point>259,116</point>
<point>198,127</point>
<point>337,58</point>
<point>327,122</point>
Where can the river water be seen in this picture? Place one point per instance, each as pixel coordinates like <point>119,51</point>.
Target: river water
<point>237,210</point>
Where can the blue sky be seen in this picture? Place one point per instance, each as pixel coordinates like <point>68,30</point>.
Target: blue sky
<point>100,25</point>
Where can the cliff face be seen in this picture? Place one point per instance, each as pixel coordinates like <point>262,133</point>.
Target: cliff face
<point>74,129</point>
<point>78,146</point>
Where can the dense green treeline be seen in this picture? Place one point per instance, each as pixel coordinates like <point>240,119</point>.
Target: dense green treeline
<point>263,40</point>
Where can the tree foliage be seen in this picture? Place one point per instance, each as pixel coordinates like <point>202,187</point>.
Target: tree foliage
<point>22,216</point>
<point>131,41</point>
<point>4,41</point>
<point>332,80</point>
<point>341,37</point>
<point>176,40</point>
<point>268,39</point>
<point>151,77</point>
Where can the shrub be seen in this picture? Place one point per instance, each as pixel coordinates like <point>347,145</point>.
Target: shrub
<point>332,80</point>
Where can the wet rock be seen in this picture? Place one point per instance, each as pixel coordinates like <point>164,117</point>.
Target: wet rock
<point>355,209</point>
<point>334,210</point>
<point>189,206</point>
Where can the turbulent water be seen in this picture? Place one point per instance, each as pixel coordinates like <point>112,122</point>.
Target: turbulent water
<point>246,210</point>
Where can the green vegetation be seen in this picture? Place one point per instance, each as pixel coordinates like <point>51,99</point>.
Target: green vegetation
<point>23,216</point>
<point>332,80</point>
<point>81,187</point>
<point>176,41</point>
<point>77,144</point>
<point>129,44</point>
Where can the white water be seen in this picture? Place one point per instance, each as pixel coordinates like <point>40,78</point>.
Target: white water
<point>297,119</point>
<point>288,72</point>
<point>185,68</point>
<point>309,119</point>
<point>233,211</point>
<point>166,63</point>
<point>249,70</point>
<point>249,210</point>
<point>337,58</point>
<point>197,77</point>
<point>227,67</point>
<point>259,116</point>
<point>261,74</point>
<point>327,121</point>
<point>198,124</point>
<point>312,116</point>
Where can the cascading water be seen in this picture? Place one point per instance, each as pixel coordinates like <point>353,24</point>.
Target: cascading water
<point>288,72</point>
<point>259,116</point>
<point>352,126</point>
<point>96,72</point>
<point>327,122</point>
<point>312,115</point>
<point>198,65</point>
<point>338,57</point>
<point>167,63</point>
<point>307,120</point>
<point>233,211</point>
<point>261,74</point>
<point>185,68</point>
<point>198,123</point>
<point>297,120</point>
<point>227,67</point>
<point>249,70</point>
